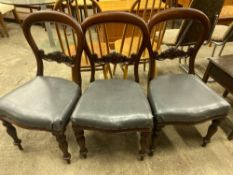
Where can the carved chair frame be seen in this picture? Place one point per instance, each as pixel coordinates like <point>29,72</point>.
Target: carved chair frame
<point>29,21</point>
<point>116,17</point>
<point>172,53</point>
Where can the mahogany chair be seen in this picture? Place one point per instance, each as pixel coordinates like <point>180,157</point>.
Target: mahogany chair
<point>114,105</point>
<point>80,10</point>
<point>183,98</point>
<point>45,103</point>
<point>221,70</point>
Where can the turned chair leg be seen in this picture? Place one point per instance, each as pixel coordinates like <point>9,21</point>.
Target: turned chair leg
<point>12,132</point>
<point>230,137</point>
<point>63,145</point>
<point>154,138</point>
<point>211,131</point>
<point>144,139</point>
<point>80,138</point>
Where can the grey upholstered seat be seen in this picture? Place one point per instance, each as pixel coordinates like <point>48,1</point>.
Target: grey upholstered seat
<point>186,99</point>
<point>42,103</point>
<point>113,105</point>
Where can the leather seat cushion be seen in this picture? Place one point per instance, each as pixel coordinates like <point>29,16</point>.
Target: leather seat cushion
<point>184,98</point>
<point>42,103</point>
<point>113,105</point>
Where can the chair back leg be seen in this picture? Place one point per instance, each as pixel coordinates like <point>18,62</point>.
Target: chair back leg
<point>144,143</point>
<point>211,131</point>
<point>80,138</point>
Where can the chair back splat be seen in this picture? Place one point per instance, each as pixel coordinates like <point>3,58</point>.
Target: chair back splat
<point>80,10</point>
<point>61,22</point>
<point>115,55</point>
<point>190,16</point>
<point>114,105</point>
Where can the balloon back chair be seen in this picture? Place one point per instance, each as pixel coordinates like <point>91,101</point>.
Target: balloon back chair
<point>183,98</point>
<point>114,105</point>
<point>45,103</point>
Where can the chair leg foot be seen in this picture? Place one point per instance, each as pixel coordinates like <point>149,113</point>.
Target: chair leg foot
<point>63,145</point>
<point>12,132</point>
<point>80,138</point>
<point>211,131</point>
<point>144,138</point>
<point>230,137</point>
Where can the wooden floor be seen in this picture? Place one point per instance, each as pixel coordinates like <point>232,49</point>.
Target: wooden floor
<point>178,151</point>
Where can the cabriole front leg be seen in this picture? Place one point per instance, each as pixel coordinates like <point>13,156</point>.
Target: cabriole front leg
<point>211,131</point>
<point>12,132</point>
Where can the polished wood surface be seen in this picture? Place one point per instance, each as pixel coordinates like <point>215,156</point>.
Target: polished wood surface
<point>185,3</point>
<point>123,5</point>
<point>116,5</point>
<point>226,15</point>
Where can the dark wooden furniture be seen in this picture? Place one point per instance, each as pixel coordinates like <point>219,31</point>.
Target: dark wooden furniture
<point>221,70</point>
<point>183,98</point>
<point>80,10</point>
<point>45,103</point>
<point>113,105</point>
